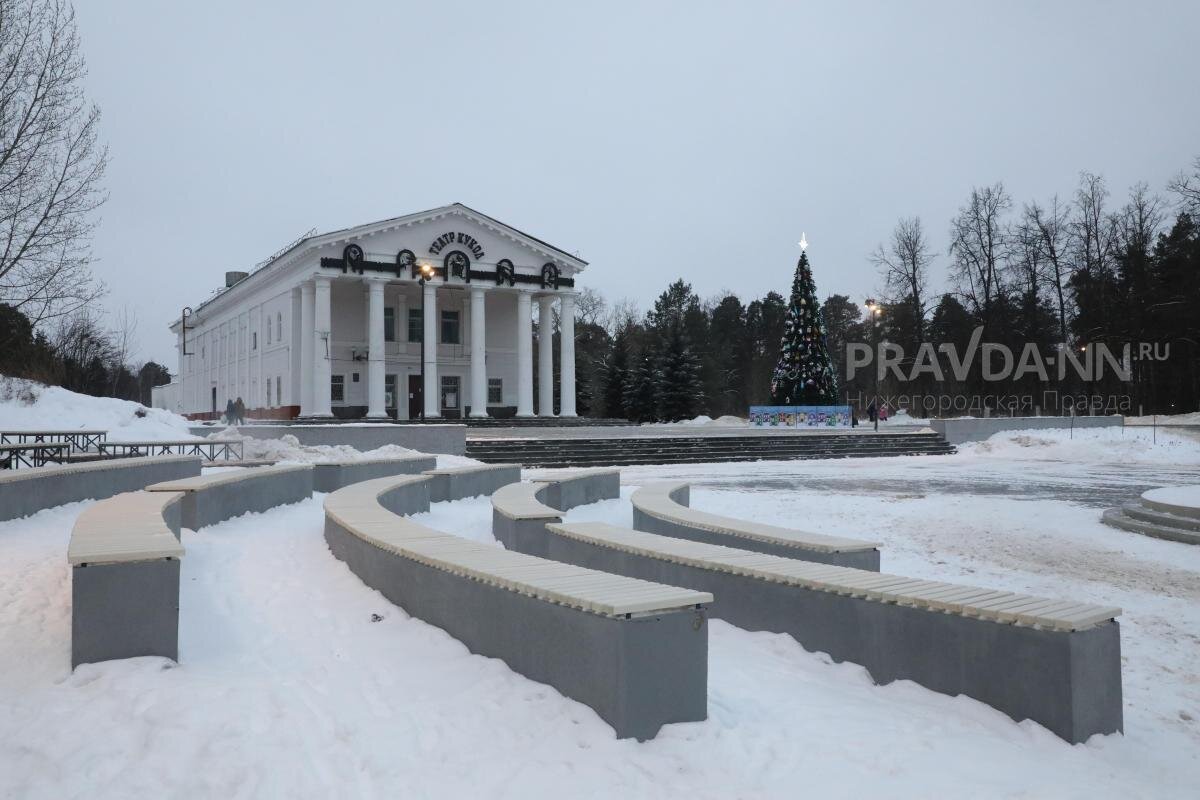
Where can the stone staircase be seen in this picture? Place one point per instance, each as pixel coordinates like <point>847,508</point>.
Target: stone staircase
<point>601,452</point>
<point>1156,517</point>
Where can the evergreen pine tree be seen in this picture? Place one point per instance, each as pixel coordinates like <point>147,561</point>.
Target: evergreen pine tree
<point>678,388</point>
<point>616,376</point>
<point>804,374</point>
<point>639,391</point>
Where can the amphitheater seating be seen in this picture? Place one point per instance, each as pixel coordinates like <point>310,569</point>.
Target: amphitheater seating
<point>331,476</point>
<point>457,483</point>
<point>27,491</point>
<point>1057,662</point>
<point>663,508</point>
<point>634,651</point>
<point>521,511</point>
<point>125,557</point>
<point>209,499</point>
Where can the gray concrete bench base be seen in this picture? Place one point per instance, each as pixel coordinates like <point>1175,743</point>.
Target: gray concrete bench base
<point>861,559</point>
<point>1068,682</point>
<point>464,482</point>
<point>226,501</point>
<point>26,492</point>
<point>125,611</point>
<point>331,477</point>
<point>637,673</point>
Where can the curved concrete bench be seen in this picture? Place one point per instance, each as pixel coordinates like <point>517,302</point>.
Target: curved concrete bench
<point>1056,662</point>
<point>124,555</point>
<point>636,652</point>
<point>663,508</point>
<point>27,491</point>
<point>209,499</point>
<point>457,483</point>
<point>331,476</point>
<point>521,511</point>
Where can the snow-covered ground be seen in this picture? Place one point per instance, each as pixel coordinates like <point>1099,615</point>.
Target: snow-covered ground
<point>286,686</point>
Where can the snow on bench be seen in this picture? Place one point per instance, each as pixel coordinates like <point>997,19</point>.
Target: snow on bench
<point>635,651</point>
<point>333,475</point>
<point>1056,662</point>
<point>27,491</point>
<point>125,556</point>
<point>663,508</point>
<point>209,499</point>
<point>475,480</point>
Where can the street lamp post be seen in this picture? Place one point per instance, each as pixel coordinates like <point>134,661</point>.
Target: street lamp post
<point>873,310</point>
<point>426,274</point>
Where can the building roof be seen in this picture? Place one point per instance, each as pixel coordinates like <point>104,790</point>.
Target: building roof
<point>316,240</point>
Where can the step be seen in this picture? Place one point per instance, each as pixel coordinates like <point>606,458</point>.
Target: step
<point>1117,519</point>
<point>1158,503</point>
<point>1162,518</point>
<point>586,461</point>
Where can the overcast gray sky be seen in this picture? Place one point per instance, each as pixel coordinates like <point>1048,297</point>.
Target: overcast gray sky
<point>658,140</point>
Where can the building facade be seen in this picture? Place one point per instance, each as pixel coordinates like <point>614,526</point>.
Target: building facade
<point>429,314</point>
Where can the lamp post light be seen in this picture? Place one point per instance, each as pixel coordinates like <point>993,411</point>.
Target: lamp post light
<point>426,274</point>
<point>873,311</point>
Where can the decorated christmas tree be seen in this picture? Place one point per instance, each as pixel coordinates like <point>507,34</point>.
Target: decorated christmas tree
<point>804,375</point>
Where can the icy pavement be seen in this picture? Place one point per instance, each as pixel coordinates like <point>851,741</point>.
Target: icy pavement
<point>288,686</point>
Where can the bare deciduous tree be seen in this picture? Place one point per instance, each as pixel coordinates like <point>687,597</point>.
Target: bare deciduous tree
<point>977,245</point>
<point>1046,229</point>
<point>51,163</point>
<point>904,264</point>
<point>1188,188</point>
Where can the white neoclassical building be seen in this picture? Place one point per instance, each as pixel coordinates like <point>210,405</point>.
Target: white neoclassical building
<point>430,313</point>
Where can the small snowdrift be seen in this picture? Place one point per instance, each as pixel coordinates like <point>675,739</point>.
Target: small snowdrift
<point>288,449</point>
<point>1103,445</point>
<point>28,405</point>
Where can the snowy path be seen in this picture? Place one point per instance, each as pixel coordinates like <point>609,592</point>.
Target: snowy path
<point>287,688</point>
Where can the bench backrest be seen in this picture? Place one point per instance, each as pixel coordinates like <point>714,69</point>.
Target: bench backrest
<point>359,510</point>
<point>124,528</point>
<point>935,596</point>
<point>663,501</point>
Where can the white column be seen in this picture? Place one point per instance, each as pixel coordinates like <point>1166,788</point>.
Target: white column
<point>431,399</point>
<point>566,368</point>
<point>322,348</point>
<point>375,352</point>
<point>307,309</point>
<point>478,353</point>
<point>546,355</point>
<point>524,354</point>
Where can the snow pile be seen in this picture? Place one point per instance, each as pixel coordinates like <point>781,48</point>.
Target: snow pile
<point>28,405</point>
<point>705,421</point>
<point>1103,445</point>
<point>288,449</point>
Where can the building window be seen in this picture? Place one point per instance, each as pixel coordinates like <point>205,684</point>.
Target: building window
<point>268,330</point>
<point>389,324</point>
<point>450,385</point>
<point>268,393</point>
<point>254,340</point>
<point>415,326</point>
<point>354,377</point>
<point>337,388</point>
<point>279,389</point>
<point>451,328</point>
<point>279,326</point>
<point>495,391</point>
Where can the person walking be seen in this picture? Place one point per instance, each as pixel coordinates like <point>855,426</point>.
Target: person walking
<point>239,411</point>
<point>230,412</point>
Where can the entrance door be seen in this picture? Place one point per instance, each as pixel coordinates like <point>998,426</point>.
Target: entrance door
<point>414,396</point>
<point>389,394</point>
<point>214,399</point>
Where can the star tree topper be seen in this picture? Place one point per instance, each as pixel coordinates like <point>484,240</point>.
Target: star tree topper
<point>803,242</point>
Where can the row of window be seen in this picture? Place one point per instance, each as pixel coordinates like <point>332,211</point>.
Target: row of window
<point>450,390</point>
<point>451,326</point>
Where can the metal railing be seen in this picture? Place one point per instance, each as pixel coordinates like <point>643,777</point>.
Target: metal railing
<point>39,454</point>
<point>80,441</point>
<point>209,449</point>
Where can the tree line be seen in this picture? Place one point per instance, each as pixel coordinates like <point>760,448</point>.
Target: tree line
<point>1063,274</point>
